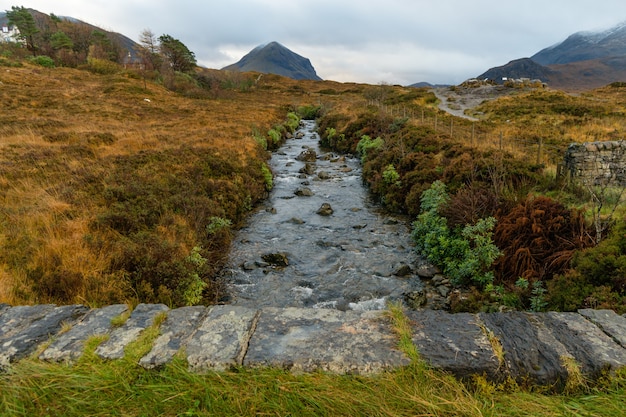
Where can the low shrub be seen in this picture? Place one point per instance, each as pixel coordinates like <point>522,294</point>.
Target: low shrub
<point>43,61</point>
<point>102,66</point>
<point>367,144</point>
<point>465,254</point>
<point>538,238</point>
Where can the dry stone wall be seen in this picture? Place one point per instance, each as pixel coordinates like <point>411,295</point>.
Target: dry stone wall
<point>597,163</point>
<point>519,345</point>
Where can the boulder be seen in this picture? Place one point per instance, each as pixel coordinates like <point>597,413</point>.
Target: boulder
<point>325,210</point>
<point>69,346</point>
<point>304,192</point>
<point>309,340</point>
<point>453,342</point>
<point>276,259</point>
<point>307,155</point>
<point>308,169</point>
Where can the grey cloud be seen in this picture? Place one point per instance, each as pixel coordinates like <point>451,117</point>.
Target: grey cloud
<point>404,41</point>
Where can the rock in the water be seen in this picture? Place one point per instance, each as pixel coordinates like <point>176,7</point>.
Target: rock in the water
<point>299,135</point>
<point>325,210</point>
<point>308,169</point>
<point>443,290</point>
<point>304,192</point>
<point>323,175</point>
<point>403,271</point>
<point>276,259</point>
<point>249,266</point>
<point>427,271</point>
<point>307,155</point>
<point>415,299</point>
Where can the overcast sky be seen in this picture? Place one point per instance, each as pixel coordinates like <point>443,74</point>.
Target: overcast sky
<point>368,41</point>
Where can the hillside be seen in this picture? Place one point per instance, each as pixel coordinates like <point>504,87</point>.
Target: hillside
<point>585,46</point>
<point>274,58</point>
<point>583,61</point>
<point>103,180</point>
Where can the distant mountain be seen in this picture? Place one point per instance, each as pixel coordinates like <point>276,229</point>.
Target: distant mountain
<point>584,60</point>
<point>274,58</point>
<point>519,68</point>
<point>583,46</point>
<point>425,84</point>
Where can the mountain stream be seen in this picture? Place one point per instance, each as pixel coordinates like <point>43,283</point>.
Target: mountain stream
<point>320,241</point>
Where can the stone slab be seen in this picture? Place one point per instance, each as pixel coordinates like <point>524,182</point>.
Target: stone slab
<point>18,318</point>
<point>609,321</point>
<point>453,342</point>
<point>593,350</point>
<point>308,340</point>
<point>69,346</point>
<point>175,332</point>
<point>531,352</point>
<point>221,340</point>
<point>24,342</point>
<point>141,318</point>
<point>3,307</point>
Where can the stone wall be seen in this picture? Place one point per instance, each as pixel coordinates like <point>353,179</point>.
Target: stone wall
<point>597,163</point>
<point>526,347</point>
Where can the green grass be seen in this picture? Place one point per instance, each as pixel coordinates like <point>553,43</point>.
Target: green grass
<point>96,387</point>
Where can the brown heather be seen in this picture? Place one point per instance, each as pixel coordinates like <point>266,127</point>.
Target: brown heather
<point>103,181</point>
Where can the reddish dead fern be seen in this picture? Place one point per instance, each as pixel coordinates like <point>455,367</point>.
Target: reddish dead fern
<point>538,239</point>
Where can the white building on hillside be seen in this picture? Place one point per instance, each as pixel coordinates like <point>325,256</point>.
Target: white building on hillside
<point>8,33</point>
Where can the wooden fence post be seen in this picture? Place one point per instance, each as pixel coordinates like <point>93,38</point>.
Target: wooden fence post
<point>472,140</point>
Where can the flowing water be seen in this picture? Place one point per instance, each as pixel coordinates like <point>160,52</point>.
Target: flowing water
<point>289,255</point>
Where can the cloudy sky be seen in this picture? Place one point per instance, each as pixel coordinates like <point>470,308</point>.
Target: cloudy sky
<point>369,41</point>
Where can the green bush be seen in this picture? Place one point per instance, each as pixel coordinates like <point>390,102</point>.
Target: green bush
<point>216,224</point>
<point>465,254</point>
<point>309,112</point>
<point>391,176</point>
<point>267,175</point>
<point>366,144</point>
<point>102,66</point>
<point>293,122</point>
<point>43,61</point>
<point>275,138</point>
<point>191,286</point>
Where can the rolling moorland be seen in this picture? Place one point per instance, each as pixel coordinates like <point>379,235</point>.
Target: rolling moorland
<point>122,185</point>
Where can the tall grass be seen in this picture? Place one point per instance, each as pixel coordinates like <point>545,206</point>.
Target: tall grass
<point>96,387</point>
<point>77,147</point>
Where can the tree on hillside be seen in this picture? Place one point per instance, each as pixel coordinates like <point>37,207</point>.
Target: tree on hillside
<point>101,46</point>
<point>176,54</point>
<point>148,50</point>
<point>25,23</point>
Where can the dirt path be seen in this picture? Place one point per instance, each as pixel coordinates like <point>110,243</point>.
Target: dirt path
<point>460,100</point>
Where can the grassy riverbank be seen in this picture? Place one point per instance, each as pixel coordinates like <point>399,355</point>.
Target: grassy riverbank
<point>121,388</point>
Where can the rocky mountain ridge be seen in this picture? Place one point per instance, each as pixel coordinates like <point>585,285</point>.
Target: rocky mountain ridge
<point>585,60</point>
<point>274,58</point>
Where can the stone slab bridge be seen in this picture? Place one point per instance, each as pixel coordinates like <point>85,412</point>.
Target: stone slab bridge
<point>535,347</point>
